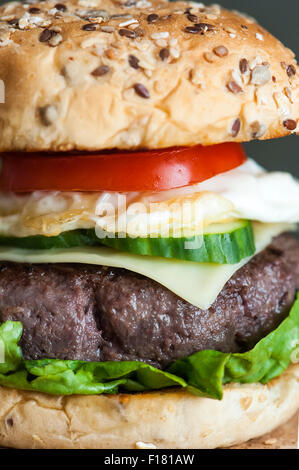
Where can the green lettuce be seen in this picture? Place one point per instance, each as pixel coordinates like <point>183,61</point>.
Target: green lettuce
<point>203,374</point>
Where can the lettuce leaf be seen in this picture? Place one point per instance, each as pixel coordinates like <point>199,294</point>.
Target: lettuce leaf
<point>203,374</point>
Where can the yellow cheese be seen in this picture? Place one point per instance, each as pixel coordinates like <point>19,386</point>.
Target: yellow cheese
<point>196,283</point>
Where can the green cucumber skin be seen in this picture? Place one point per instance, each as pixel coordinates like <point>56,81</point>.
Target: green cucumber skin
<point>71,239</point>
<point>219,248</point>
<point>223,248</point>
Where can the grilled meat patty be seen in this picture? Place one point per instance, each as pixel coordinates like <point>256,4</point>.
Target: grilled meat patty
<point>95,313</point>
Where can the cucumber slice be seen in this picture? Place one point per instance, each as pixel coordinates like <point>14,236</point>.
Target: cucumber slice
<point>220,243</point>
<point>71,239</point>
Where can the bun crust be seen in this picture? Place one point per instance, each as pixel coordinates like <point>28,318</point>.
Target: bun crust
<point>169,419</point>
<point>99,74</point>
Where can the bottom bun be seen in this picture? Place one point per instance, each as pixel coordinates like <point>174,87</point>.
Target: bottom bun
<point>165,419</point>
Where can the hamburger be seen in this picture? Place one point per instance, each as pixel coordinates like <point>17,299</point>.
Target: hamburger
<point>148,270</point>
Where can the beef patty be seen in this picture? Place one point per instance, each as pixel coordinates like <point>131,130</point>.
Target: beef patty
<point>96,313</point>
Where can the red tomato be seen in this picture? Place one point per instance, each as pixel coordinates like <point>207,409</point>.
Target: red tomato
<point>151,170</point>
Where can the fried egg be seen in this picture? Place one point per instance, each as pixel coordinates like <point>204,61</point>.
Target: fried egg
<point>247,192</point>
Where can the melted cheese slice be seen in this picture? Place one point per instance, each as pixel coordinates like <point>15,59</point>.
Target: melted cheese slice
<point>197,283</point>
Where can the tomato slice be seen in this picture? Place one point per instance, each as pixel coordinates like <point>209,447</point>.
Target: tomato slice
<point>152,170</point>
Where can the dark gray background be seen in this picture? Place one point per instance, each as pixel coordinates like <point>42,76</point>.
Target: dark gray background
<point>281,18</point>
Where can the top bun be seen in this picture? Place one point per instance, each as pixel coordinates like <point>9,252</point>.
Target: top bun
<point>99,74</point>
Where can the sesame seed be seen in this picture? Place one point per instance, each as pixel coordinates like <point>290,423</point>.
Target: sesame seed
<point>96,19</point>
<point>192,18</point>
<point>234,87</point>
<point>46,35</point>
<point>133,25</point>
<point>146,65</point>
<point>259,36</point>
<point>229,29</point>
<point>141,91</point>
<point>143,4</point>
<point>191,30</point>
<point>290,124</point>
<point>133,61</point>
<point>34,10</point>
<point>164,53</point>
<point>261,75</point>
<point>24,22</point>
<point>55,40</point>
<point>127,23</point>
<point>121,16</point>
<point>128,33</point>
<point>244,66</point>
<point>220,51</point>
<point>291,71</point>
<point>57,29</point>
<point>88,14</point>
<point>161,43</point>
<point>100,71</point>
<point>60,7</point>
<point>236,127</point>
<point>107,29</point>
<point>203,27</point>
<point>161,35</point>
<point>211,17</point>
<point>199,28</point>
<point>89,27</point>
<point>152,18</point>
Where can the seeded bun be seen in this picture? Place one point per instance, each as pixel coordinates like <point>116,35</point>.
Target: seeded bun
<point>168,419</point>
<point>98,74</point>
